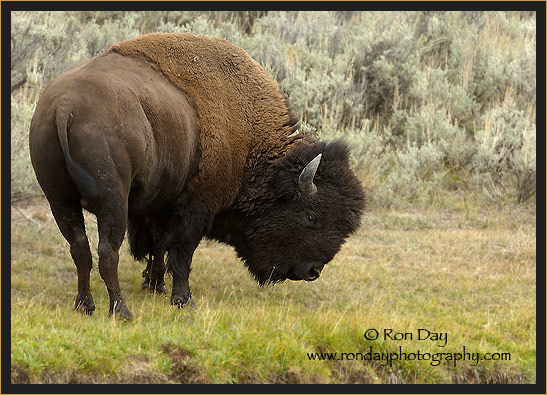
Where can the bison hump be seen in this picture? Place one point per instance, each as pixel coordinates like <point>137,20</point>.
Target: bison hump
<point>231,91</point>
<point>241,110</point>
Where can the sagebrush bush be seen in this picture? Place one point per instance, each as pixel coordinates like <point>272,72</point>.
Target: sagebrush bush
<point>428,101</point>
<point>506,153</point>
<point>23,183</point>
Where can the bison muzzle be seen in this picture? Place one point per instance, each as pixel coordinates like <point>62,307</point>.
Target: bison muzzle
<point>176,137</point>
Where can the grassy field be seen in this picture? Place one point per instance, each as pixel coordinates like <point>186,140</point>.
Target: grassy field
<point>466,271</point>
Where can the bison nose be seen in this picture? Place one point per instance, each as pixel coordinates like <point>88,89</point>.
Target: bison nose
<point>315,272</point>
<point>307,271</point>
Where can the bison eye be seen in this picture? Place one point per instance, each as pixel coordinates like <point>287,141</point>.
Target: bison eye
<point>308,219</point>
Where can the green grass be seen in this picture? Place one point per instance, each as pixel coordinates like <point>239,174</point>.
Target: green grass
<point>466,271</point>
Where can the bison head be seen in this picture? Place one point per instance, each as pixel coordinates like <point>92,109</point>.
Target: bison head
<point>311,203</point>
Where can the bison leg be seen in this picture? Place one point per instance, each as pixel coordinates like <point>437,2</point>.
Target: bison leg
<point>111,234</point>
<point>70,220</point>
<point>146,273</point>
<point>180,264</point>
<point>191,219</point>
<point>157,282</point>
<point>154,273</point>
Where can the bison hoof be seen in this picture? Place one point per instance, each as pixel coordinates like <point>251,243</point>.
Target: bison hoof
<point>154,286</point>
<point>120,311</point>
<point>179,301</point>
<point>84,304</point>
<point>159,288</point>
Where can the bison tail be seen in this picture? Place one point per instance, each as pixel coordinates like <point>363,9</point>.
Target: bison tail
<point>83,180</point>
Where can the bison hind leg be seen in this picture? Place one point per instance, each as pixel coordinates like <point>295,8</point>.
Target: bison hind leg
<point>70,220</point>
<point>111,225</point>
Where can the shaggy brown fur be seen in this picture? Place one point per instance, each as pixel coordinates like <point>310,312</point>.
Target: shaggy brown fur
<point>244,116</point>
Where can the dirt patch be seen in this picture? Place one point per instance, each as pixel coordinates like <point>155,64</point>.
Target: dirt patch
<point>19,374</point>
<point>185,367</point>
<point>248,378</point>
<point>343,374</point>
<point>293,375</point>
<point>500,375</point>
<point>136,370</point>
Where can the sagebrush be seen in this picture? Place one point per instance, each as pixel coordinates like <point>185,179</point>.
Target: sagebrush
<point>430,102</point>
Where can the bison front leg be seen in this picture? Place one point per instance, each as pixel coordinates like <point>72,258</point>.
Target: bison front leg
<point>179,265</point>
<point>189,221</point>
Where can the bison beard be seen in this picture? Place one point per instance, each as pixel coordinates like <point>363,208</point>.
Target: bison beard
<point>180,137</point>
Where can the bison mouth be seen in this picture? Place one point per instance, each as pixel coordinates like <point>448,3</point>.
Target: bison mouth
<point>308,271</point>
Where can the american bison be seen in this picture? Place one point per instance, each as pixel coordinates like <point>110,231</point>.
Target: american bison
<point>177,137</point>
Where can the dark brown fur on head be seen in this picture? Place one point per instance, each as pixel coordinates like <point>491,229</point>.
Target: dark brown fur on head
<point>284,229</point>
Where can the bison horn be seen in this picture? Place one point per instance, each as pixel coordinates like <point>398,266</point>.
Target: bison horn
<point>305,180</point>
